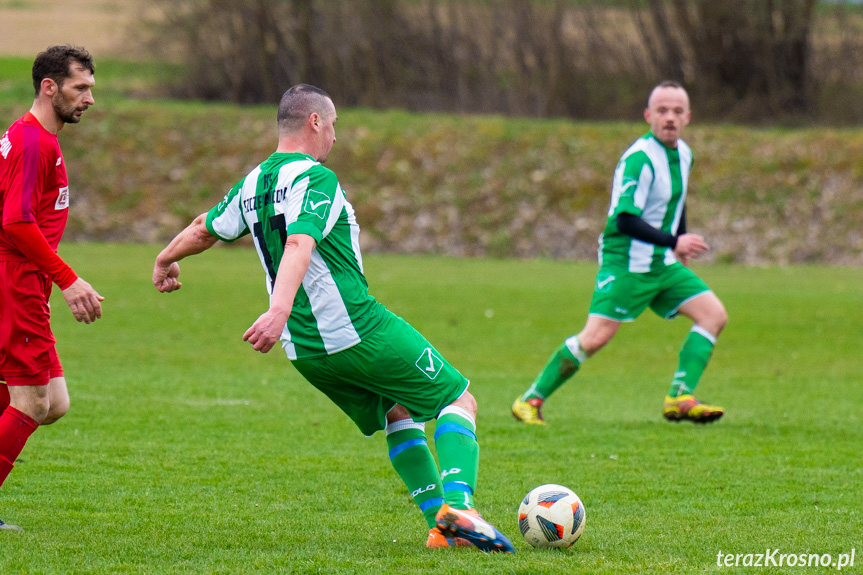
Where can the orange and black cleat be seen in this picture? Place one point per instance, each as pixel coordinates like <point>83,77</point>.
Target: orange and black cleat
<point>467,524</point>
<point>438,540</point>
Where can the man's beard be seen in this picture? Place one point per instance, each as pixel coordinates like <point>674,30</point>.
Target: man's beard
<point>64,110</point>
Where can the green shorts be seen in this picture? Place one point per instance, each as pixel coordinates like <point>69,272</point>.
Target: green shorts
<point>621,295</point>
<point>395,364</point>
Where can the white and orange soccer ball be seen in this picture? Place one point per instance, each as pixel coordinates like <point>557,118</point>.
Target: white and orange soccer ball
<point>551,516</point>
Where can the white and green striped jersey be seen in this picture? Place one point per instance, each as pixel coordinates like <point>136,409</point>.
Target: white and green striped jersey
<point>294,194</point>
<point>650,182</point>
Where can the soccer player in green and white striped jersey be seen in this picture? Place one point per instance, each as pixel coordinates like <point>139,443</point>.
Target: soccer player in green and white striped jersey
<point>643,254</point>
<point>379,370</point>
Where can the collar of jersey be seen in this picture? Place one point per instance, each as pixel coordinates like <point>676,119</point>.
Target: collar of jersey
<point>299,154</point>
<point>658,141</point>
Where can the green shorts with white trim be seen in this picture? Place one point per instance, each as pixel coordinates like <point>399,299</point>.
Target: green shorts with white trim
<point>394,364</point>
<point>621,295</point>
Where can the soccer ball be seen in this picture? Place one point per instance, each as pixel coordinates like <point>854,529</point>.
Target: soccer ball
<point>551,516</point>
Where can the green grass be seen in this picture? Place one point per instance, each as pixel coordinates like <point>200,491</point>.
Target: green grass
<point>186,452</point>
<point>148,166</point>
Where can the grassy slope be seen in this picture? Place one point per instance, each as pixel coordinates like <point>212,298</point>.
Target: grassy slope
<point>186,452</point>
<point>457,185</point>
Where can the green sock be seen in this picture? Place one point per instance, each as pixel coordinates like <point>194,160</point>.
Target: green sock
<point>411,458</point>
<point>562,365</point>
<point>694,356</point>
<point>458,454</point>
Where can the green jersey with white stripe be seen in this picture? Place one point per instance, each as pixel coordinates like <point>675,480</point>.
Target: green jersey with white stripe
<point>650,182</point>
<point>291,193</point>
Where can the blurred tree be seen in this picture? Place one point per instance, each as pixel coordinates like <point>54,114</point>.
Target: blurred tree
<point>742,60</point>
<point>755,52</point>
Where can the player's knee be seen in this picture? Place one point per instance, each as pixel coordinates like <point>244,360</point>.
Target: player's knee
<point>37,410</point>
<point>51,418</point>
<point>723,319</point>
<point>592,342</point>
<point>56,410</point>
<point>718,319</point>
<point>467,402</point>
<point>397,413</point>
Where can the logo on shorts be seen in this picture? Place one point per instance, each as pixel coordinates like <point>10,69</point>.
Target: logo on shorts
<point>429,363</point>
<point>603,282</point>
<point>316,203</point>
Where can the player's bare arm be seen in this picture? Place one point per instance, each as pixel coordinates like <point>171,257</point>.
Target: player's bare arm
<point>192,240</point>
<point>267,329</point>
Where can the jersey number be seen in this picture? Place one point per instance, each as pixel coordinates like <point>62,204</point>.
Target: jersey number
<point>277,222</point>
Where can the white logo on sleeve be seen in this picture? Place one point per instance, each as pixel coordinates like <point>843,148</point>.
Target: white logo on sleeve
<point>316,203</point>
<point>59,161</point>
<point>62,199</point>
<point>5,145</point>
<point>624,189</point>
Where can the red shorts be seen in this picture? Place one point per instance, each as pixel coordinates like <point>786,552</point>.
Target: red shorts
<point>27,353</point>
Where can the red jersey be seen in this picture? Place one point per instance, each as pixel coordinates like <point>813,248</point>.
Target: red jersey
<point>33,184</point>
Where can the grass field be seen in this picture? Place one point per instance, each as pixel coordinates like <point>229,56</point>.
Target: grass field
<point>540,187</point>
<point>186,452</point>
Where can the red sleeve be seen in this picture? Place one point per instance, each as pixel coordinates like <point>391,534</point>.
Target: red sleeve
<point>35,248</point>
<point>26,173</point>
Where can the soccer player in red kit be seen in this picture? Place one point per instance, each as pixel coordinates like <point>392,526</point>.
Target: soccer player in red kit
<point>34,202</point>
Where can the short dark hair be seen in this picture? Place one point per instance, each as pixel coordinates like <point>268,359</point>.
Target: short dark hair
<point>297,103</point>
<point>665,84</point>
<point>669,84</point>
<point>56,63</point>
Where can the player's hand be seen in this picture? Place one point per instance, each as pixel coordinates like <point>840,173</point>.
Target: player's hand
<point>266,330</point>
<point>165,277</point>
<point>690,246</point>
<point>84,301</point>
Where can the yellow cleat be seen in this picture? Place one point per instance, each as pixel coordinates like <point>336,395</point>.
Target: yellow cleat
<point>528,411</point>
<point>687,407</point>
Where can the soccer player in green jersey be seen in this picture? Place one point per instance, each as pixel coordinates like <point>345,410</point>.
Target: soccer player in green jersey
<point>379,370</point>
<point>643,253</point>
